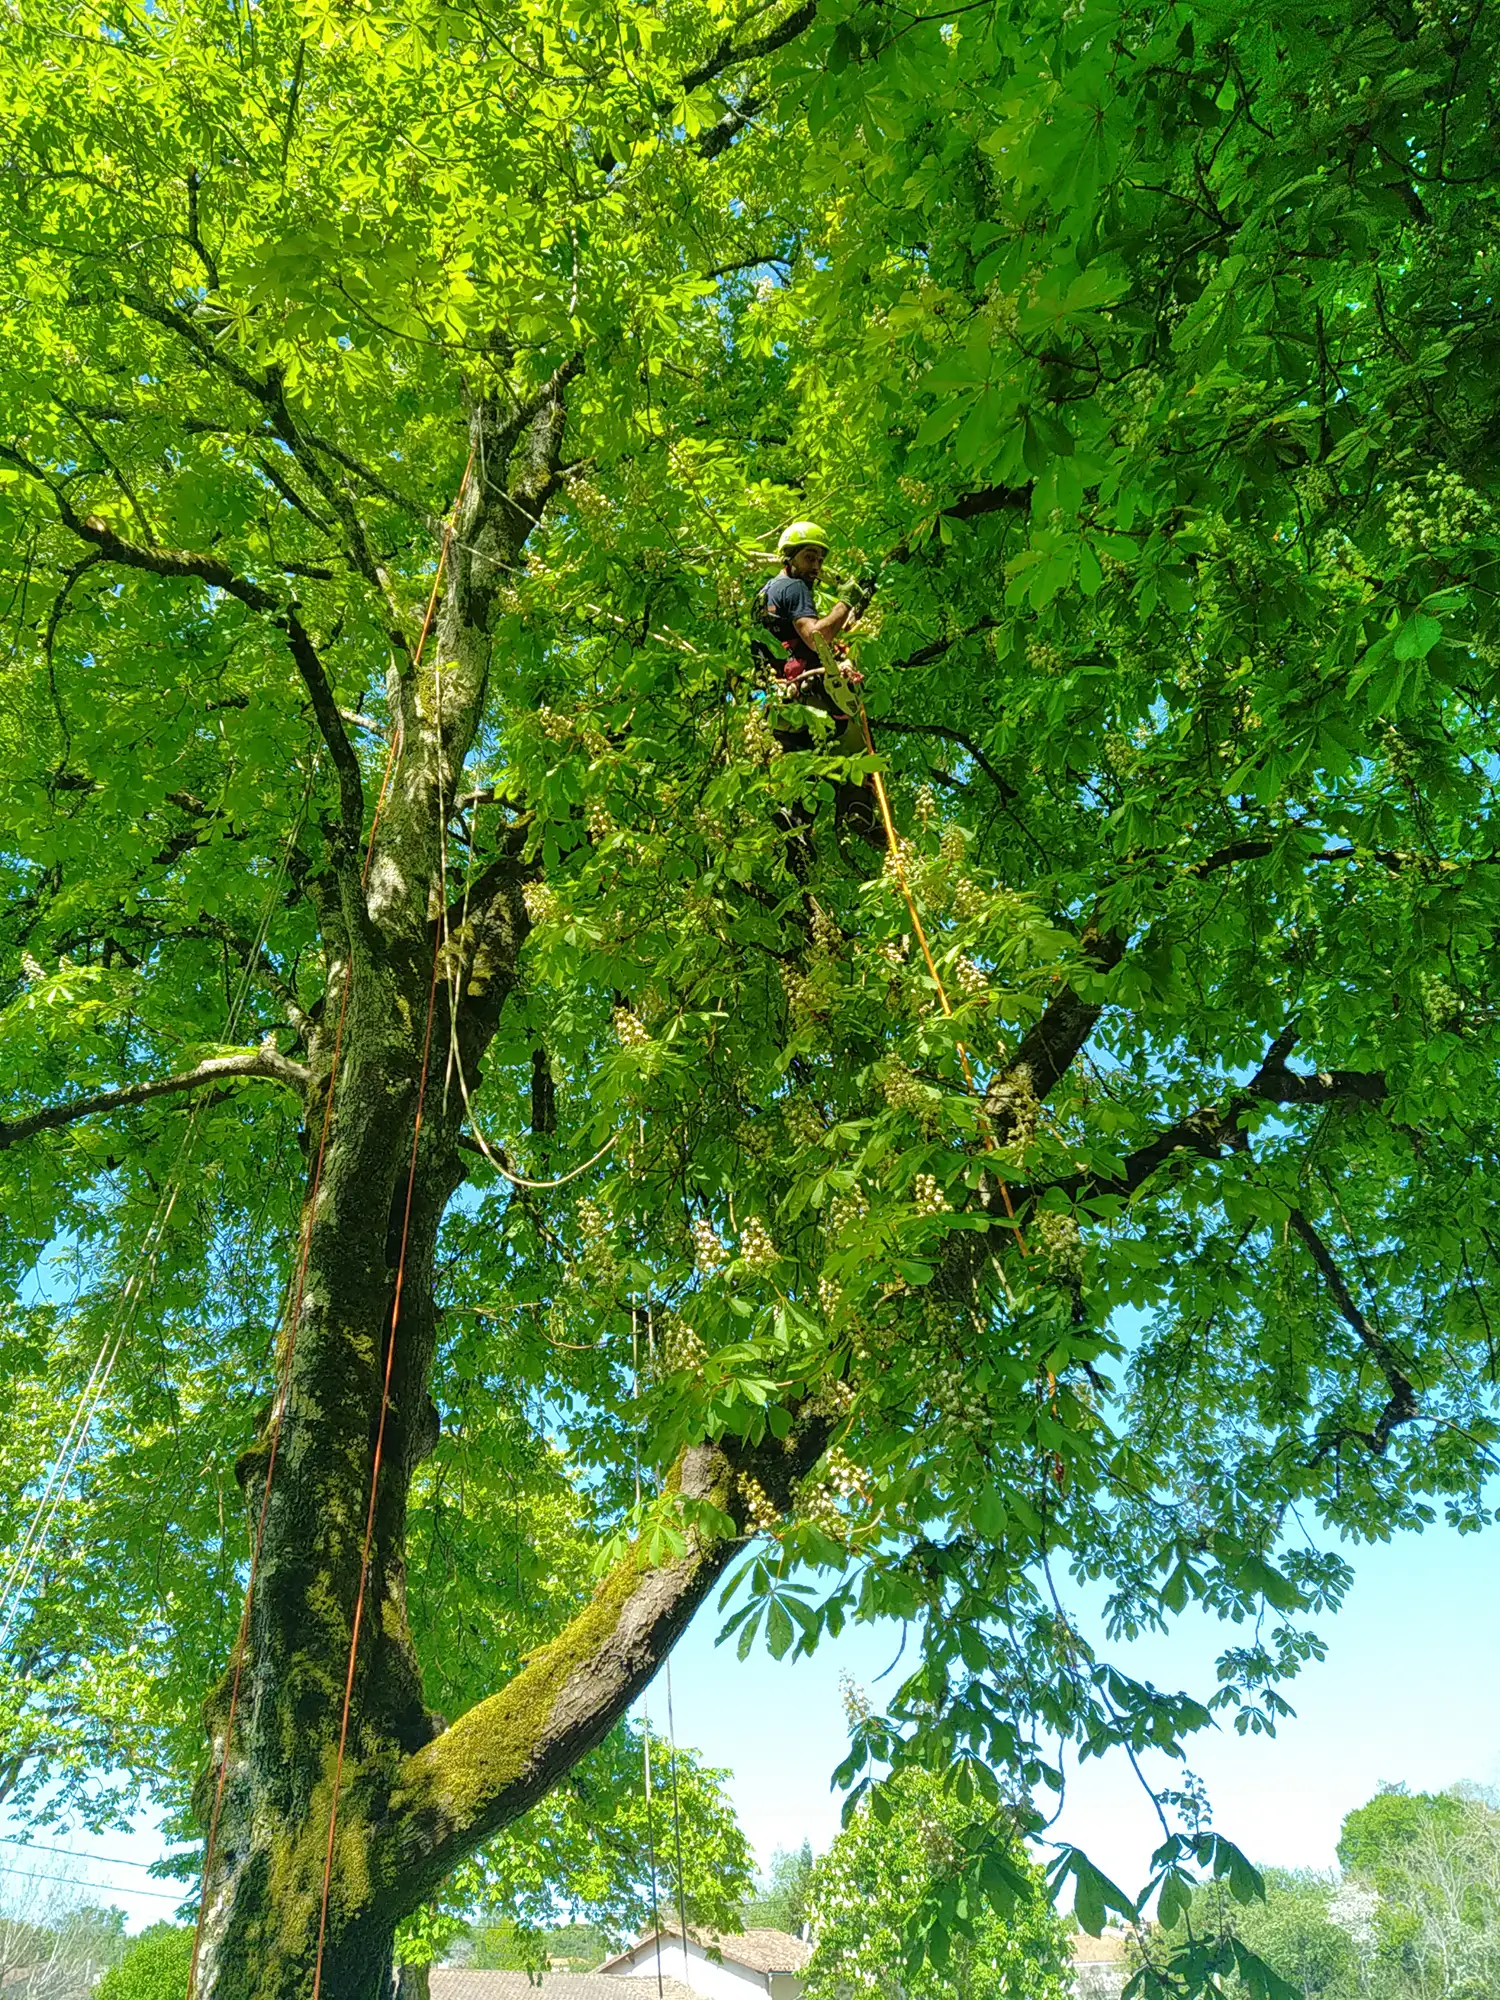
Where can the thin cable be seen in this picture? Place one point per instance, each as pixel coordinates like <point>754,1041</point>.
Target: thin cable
<point>651,1845</point>
<point>34,1541</point>
<point>119,1888</point>
<point>635,1391</point>
<point>520,1180</point>
<point>75,1853</point>
<point>676,1815</point>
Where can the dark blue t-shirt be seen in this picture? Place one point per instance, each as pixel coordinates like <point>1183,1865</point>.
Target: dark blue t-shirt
<point>780,604</point>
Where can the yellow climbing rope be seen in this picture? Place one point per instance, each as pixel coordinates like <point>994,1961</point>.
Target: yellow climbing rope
<point>898,867</point>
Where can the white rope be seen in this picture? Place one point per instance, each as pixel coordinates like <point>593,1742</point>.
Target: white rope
<point>520,1180</point>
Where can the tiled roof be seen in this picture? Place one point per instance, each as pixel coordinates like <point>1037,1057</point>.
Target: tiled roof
<point>1109,1949</point>
<point>762,1950</point>
<point>463,1982</point>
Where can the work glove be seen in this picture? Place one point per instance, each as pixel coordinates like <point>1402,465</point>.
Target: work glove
<point>860,589</point>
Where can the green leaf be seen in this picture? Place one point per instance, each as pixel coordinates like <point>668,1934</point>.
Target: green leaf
<point>1417,636</point>
<point>779,1630</point>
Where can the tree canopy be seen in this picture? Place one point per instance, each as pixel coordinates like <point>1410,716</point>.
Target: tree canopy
<point>1149,356</point>
<point>1412,1918</point>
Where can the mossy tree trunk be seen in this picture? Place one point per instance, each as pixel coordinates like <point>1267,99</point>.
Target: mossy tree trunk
<point>415,1797</point>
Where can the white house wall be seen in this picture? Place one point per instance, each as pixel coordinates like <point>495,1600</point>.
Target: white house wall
<point>696,1969</point>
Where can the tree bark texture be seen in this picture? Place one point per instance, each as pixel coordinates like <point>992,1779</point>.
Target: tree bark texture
<point>415,1797</point>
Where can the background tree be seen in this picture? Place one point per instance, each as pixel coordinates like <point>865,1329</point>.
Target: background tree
<point>154,1966</point>
<point>54,1943</point>
<point>1434,1861</point>
<point>1411,1919</point>
<point>1155,353</point>
<point>781,1899</point>
<point>1294,1931</point>
<point>1375,1838</point>
<point>897,1845</point>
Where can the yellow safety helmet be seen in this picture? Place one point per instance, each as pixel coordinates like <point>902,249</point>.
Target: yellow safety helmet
<point>802,535</point>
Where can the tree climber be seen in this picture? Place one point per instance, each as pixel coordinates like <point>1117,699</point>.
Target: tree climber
<point>804,651</point>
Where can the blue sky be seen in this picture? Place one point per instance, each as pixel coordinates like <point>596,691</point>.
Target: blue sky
<point>1406,1693</point>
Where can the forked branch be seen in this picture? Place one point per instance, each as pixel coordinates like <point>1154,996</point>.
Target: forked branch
<point>1213,1127</point>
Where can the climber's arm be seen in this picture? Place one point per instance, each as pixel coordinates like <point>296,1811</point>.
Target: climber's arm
<point>829,626</point>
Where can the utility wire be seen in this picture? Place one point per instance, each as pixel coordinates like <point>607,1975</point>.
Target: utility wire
<point>117,1888</point>
<point>74,1853</point>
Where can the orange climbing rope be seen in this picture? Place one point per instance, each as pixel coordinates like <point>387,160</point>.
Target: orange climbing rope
<point>893,845</point>
<point>385,1404</point>
<point>357,1621</point>
<point>283,1392</point>
<point>294,1314</point>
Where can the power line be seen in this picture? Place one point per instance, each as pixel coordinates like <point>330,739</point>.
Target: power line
<point>75,1853</point>
<point>116,1888</point>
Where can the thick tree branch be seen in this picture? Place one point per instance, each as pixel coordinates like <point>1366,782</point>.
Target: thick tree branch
<point>195,234</point>
<point>1212,1127</point>
<point>500,1758</point>
<point>1394,860</point>
<point>730,55</point>
<point>1048,1050</point>
<point>498,878</point>
<point>989,500</point>
<point>965,743</point>
<point>925,655</point>
<point>723,134</point>
<point>263,1062</point>
<point>291,496</point>
<point>269,392</point>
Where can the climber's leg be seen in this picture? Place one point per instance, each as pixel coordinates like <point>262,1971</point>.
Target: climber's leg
<point>795,818</point>
<point>854,802</point>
